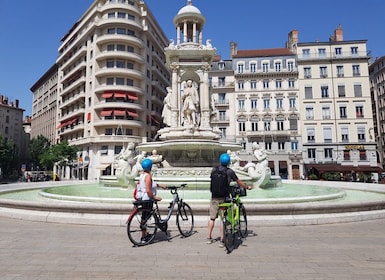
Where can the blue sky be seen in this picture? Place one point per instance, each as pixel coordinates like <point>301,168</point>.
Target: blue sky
<point>30,31</point>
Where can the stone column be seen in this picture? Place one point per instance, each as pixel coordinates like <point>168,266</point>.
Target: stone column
<point>194,32</point>
<point>205,98</point>
<point>184,32</point>
<point>174,96</point>
<point>178,35</point>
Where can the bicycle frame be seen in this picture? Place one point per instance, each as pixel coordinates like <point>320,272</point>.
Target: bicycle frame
<point>230,208</point>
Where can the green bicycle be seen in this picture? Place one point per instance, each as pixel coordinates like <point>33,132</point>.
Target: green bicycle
<point>234,219</point>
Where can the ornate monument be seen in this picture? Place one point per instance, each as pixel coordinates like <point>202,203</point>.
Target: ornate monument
<point>189,146</point>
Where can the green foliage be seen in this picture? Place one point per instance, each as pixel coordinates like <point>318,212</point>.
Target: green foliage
<point>61,153</point>
<point>8,157</point>
<point>313,177</point>
<point>37,147</point>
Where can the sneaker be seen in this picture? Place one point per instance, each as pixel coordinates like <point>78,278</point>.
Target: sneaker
<point>145,239</point>
<point>221,244</point>
<point>210,241</point>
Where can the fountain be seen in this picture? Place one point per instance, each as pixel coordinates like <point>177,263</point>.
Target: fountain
<point>189,146</point>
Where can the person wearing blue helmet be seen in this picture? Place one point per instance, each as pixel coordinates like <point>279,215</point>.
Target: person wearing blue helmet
<point>221,177</point>
<point>148,187</point>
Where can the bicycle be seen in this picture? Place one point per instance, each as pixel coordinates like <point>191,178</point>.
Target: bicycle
<point>145,219</point>
<point>234,219</point>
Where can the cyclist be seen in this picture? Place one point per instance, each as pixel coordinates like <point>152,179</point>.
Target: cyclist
<point>224,160</point>
<point>149,189</point>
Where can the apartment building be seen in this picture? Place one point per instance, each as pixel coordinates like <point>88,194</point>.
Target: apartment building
<point>11,124</point>
<point>377,89</point>
<point>335,113</point>
<point>44,106</point>
<point>112,80</point>
<point>266,107</point>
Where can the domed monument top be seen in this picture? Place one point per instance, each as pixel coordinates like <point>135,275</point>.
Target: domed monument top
<point>189,12</point>
<point>189,9</point>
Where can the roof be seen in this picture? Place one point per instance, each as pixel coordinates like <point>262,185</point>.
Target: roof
<point>263,52</point>
<point>189,9</point>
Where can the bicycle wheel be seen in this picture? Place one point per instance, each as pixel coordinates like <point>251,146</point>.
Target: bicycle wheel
<point>141,227</point>
<point>185,220</point>
<point>228,236</point>
<point>242,221</point>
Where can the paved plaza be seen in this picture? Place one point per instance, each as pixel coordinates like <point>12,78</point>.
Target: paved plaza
<point>39,250</point>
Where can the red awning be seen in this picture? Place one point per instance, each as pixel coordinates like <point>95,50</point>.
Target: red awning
<point>343,168</point>
<point>106,113</point>
<point>132,96</point>
<point>119,113</point>
<point>107,94</point>
<point>120,95</point>
<point>133,114</point>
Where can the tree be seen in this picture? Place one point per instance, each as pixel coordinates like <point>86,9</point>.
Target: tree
<point>8,157</point>
<point>37,147</point>
<point>61,153</point>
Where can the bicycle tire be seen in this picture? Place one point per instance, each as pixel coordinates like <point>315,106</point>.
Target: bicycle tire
<point>228,236</point>
<point>185,220</point>
<point>242,221</point>
<point>135,229</point>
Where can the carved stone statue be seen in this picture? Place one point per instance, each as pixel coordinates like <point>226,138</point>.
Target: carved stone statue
<point>190,100</point>
<point>166,113</point>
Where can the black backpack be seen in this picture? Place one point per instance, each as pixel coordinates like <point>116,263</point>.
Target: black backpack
<point>219,185</point>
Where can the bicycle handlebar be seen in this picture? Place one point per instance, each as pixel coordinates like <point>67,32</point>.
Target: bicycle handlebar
<point>176,187</point>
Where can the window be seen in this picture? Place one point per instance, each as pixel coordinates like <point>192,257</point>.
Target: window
<point>343,111</point>
<point>359,111</point>
<point>254,104</point>
<point>278,67</point>
<point>265,83</point>
<point>361,133</point>
<point>266,103</point>
<point>357,91</point>
<point>311,153</point>
<point>356,70</point>
<point>254,126</point>
<point>307,72</point>
<point>311,135</point>
<point>240,68</point>
<point>268,146</point>
<point>253,67</point>
<point>328,153</point>
<point>341,91</point>
<point>326,112</point>
<point>308,92</point>
<point>280,125</point>
<point>222,98</point>
<point>324,91</point>
<point>242,126</point>
<point>338,51</point>
<point>362,155</point>
<point>118,149</point>
<point>121,15</point>
<point>121,31</point>
<point>265,67</point>
<point>291,83</point>
<point>241,104</point>
<point>111,15</point>
<point>306,53</point>
<point>344,134</point>
<point>281,146</point>
<point>292,103</point>
<point>346,155</point>
<point>241,84</point>
<point>293,123</point>
<point>323,71</point>
<point>340,71</point>
<point>278,83</point>
<point>222,115</point>
<point>327,134</point>
<point>354,50</point>
<point>222,81</point>
<point>104,150</point>
<point>279,103</point>
<point>253,84</point>
<point>110,81</point>
<point>321,52</point>
<point>290,66</point>
<point>120,81</point>
<point>223,132</point>
<point>309,113</point>
<point>266,125</point>
<point>294,145</point>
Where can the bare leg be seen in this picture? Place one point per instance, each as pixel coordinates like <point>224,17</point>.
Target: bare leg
<point>210,228</point>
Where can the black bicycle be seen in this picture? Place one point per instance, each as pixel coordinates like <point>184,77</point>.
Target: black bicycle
<point>145,219</point>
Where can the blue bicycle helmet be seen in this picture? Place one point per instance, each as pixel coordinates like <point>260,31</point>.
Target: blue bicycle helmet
<point>147,164</point>
<point>224,159</point>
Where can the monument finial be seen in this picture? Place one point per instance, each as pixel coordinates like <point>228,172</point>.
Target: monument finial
<point>189,2</point>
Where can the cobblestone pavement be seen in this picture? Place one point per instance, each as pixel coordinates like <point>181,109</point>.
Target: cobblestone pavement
<point>37,250</point>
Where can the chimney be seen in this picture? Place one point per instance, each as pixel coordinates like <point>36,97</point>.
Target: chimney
<point>233,49</point>
<point>338,35</point>
<point>292,40</point>
<point>17,103</point>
